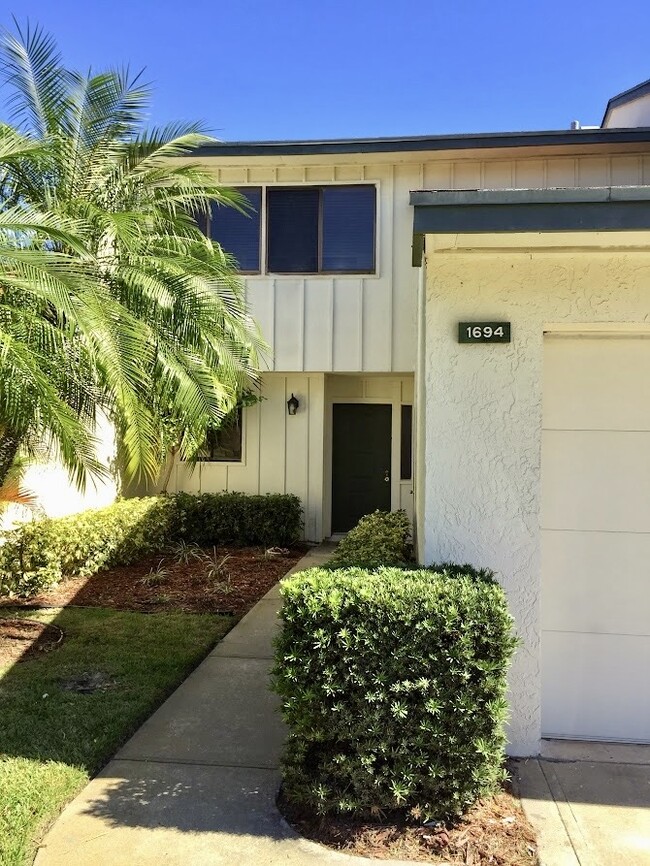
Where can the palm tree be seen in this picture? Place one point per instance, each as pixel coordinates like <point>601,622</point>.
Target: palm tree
<point>131,307</point>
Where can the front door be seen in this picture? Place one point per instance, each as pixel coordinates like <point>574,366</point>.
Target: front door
<point>361,462</point>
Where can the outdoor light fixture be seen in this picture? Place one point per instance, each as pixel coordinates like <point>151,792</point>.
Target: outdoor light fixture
<point>292,405</point>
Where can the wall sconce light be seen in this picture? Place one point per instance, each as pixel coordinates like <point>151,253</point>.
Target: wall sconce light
<point>292,405</point>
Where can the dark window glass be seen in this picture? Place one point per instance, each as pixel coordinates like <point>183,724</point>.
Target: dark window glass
<point>293,230</point>
<point>348,236</point>
<point>406,470</point>
<point>202,222</point>
<point>238,233</point>
<point>224,443</point>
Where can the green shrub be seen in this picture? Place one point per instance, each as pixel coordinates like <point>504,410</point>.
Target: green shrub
<point>40,553</point>
<point>238,518</point>
<point>452,569</point>
<point>378,539</point>
<point>393,688</point>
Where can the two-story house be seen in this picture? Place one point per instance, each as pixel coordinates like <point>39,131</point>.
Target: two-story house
<point>460,327</point>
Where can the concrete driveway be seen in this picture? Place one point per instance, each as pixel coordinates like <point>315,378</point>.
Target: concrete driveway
<point>589,802</point>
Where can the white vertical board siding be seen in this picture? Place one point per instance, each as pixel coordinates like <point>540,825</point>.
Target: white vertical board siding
<point>289,328</point>
<point>318,324</point>
<point>404,281</point>
<point>347,325</point>
<point>367,323</point>
<point>353,323</point>
<point>281,454</point>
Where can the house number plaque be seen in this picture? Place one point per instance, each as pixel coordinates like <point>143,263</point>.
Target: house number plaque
<point>484,332</point>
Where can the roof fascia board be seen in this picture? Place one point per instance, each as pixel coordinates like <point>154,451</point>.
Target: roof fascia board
<point>473,141</point>
<point>602,209</point>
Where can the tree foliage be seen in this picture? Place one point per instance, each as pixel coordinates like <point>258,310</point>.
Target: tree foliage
<point>110,295</point>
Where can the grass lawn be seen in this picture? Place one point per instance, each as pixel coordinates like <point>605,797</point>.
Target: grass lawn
<point>53,738</point>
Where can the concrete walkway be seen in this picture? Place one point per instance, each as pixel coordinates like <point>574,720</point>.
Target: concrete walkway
<point>196,784</point>
<point>589,803</point>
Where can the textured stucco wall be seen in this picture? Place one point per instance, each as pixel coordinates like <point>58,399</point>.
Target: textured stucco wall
<point>56,495</point>
<point>483,419</point>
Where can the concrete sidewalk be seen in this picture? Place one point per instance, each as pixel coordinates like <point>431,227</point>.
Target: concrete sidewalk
<point>197,783</point>
<point>589,803</point>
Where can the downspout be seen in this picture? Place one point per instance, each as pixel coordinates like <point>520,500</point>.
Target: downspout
<point>420,416</point>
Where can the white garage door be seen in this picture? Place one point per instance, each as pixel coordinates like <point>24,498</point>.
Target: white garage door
<point>596,538</point>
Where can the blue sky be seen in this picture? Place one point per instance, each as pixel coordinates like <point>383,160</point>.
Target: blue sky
<point>265,69</point>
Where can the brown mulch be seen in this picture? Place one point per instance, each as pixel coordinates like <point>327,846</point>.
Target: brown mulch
<point>160,583</point>
<point>25,638</point>
<point>494,833</point>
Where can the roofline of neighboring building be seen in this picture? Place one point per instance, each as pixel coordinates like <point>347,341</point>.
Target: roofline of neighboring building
<point>465,141</point>
<point>629,95</point>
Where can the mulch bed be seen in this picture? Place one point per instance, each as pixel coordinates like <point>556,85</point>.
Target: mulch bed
<point>160,583</point>
<point>21,639</point>
<point>494,833</point>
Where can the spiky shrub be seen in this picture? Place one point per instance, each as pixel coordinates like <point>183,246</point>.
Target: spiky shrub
<point>393,688</point>
<point>41,553</point>
<point>379,539</point>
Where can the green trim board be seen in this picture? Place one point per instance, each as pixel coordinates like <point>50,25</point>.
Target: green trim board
<point>582,209</point>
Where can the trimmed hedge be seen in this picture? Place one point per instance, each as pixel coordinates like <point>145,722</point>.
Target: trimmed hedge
<point>379,539</point>
<point>393,687</point>
<point>41,553</point>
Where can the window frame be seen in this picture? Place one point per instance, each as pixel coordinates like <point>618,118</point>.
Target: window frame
<point>320,272</point>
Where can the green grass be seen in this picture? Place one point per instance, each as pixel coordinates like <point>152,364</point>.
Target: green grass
<point>52,740</point>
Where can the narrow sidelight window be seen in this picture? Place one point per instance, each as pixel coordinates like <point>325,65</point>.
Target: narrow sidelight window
<point>406,462</point>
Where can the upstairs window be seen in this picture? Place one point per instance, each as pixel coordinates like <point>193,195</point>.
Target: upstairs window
<point>309,229</point>
<point>239,233</point>
<point>314,230</point>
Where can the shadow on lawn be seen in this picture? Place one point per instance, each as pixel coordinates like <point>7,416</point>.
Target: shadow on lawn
<point>158,786</point>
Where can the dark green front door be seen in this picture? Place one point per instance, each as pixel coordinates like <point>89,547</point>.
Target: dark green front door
<point>361,461</point>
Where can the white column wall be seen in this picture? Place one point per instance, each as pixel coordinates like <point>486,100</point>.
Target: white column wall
<point>483,419</point>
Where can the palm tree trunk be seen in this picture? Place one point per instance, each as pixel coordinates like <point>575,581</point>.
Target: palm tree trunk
<point>9,445</point>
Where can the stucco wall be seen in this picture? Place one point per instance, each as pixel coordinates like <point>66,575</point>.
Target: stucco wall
<point>484,413</point>
<point>55,493</point>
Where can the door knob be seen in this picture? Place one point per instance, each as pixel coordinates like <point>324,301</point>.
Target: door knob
<point>386,475</point>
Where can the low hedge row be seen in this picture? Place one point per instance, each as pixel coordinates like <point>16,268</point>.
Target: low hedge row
<point>40,553</point>
<point>393,687</point>
<point>379,539</point>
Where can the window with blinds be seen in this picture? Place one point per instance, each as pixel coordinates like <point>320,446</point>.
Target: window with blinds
<point>328,229</point>
<point>239,233</point>
<point>309,229</point>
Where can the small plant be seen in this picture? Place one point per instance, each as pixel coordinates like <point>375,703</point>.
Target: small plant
<point>185,552</point>
<point>156,575</point>
<point>379,539</point>
<point>216,571</point>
